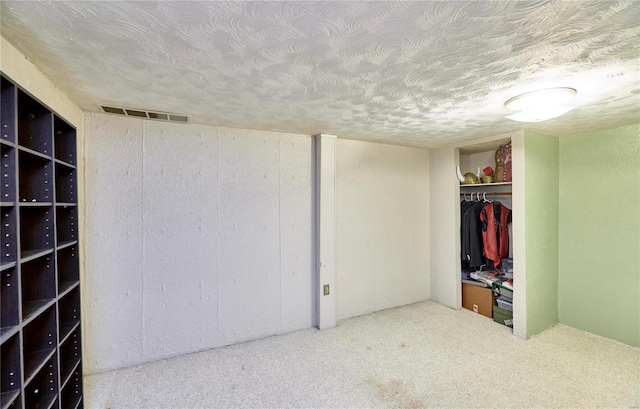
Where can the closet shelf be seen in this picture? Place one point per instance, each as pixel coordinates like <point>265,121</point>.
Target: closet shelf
<point>486,184</point>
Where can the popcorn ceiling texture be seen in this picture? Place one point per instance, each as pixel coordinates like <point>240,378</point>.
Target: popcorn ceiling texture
<point>423,73</point>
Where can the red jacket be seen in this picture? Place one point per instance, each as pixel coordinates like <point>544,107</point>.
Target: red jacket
<point>495,235</point>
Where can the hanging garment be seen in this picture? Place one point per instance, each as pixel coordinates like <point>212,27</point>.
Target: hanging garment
<point>495,219</point>
<point>471,234</point>
<point>464,206</point>
<point>473,240</point>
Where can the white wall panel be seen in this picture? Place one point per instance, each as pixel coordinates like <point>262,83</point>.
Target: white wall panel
<point>180,218</point>
<point>196,237</point>
<point>355,228</point>
<point>420,225</point>
<point>445,227</point>
<point>113,290</point>
<point>382,201</point>
<point>392,223</point>
<point>297,265</point>
<point>249,234</point>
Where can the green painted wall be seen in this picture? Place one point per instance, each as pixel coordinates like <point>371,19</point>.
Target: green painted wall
<point>541,234</point>
<point>599,264</point>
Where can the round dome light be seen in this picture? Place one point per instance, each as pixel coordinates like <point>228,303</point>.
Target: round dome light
<point>541,98</point>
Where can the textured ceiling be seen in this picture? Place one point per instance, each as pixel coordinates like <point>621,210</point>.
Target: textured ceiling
<point>422,73</point>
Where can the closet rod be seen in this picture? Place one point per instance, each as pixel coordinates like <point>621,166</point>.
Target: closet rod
<point>488,193</point>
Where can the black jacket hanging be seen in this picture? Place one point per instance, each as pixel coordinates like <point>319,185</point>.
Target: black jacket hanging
<point>471,234</point>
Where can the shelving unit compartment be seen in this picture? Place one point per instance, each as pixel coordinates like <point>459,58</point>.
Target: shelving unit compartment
<point>42,391</point>
<point>69,356</point>
<point>39,341</point>
<point>9,235</point>
<point>11,401</point>
<point>7,173</point>
<point>36,178</point>
<point>8,111</point>
<point>35,125</point>
<point>9,298</point>
<point>68,266</point>
<point>38,284</point>
<point>66,224</point>
<point>72,391</point>
<point>10,374</point>
<point>69,310</point>
<point>65,184</point>
<point>36,230</point>
<point>39,263</point>
<point>64,139</point>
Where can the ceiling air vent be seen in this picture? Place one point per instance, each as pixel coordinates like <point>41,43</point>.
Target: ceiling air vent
<point>139,113</point>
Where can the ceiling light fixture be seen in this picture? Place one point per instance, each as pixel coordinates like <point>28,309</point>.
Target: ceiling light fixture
<point>538,106</point>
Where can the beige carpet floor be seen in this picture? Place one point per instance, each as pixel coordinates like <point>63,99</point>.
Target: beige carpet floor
<point>419,356</point>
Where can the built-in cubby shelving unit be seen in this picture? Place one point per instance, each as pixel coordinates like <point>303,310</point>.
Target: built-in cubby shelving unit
<point>40,334</point>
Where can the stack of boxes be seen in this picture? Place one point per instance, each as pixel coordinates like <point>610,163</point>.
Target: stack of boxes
<point>494,301</point>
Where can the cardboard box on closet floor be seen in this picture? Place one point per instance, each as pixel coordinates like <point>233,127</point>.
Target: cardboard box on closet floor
<point>478,299</point>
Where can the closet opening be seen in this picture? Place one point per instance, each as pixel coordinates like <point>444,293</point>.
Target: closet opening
<point>485,234</point>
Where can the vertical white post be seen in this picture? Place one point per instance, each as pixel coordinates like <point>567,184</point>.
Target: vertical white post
<point>519,236</point>
<point>326,230</point>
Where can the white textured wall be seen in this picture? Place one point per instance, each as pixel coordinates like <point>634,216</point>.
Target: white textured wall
<point>197,237</point>
<point>382,226</point>
<point>445,227</point>
<point>17,67</point>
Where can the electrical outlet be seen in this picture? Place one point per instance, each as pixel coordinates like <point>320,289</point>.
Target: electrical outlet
<point>325,289</point>
<point>475,307</point>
